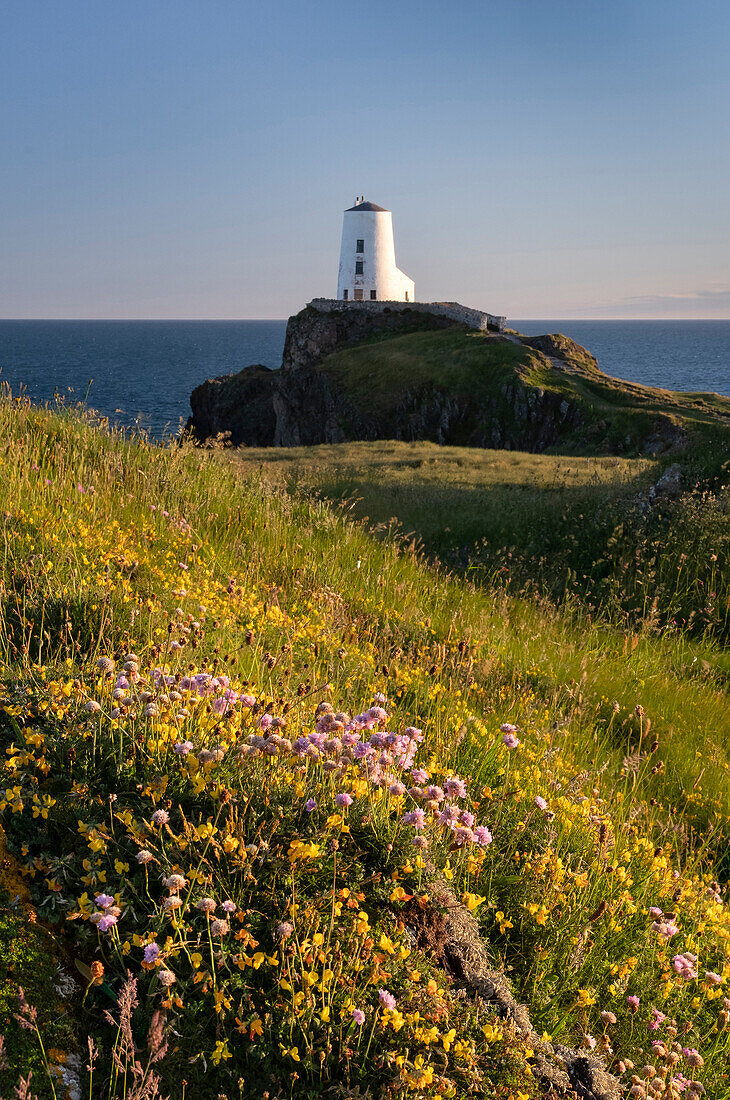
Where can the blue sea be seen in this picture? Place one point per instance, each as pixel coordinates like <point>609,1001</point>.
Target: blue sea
<point>141,373</point>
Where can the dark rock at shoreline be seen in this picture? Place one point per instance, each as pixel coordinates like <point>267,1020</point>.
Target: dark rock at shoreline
<point>237,407</point>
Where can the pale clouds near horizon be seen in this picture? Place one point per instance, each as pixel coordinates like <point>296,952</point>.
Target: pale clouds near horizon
<point>713,302</point>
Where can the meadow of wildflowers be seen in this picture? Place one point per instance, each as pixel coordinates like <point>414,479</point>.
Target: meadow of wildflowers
<point>251,760</point>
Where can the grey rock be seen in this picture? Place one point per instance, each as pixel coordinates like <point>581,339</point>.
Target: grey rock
<point>670,483</point>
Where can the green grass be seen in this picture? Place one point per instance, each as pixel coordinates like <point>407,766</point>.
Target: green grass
<point>110,546</point>
<point>450,498</point>
<point>486,371</point>
<point>566,527</point>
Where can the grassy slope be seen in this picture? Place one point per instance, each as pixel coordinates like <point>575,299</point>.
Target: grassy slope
<point>662,673</point>
<point>103,541</point>
<point>452,497</point>
<point>564,526</point>
<point>477,366</point>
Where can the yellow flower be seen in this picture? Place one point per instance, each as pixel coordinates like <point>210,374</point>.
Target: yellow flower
<point>503,922</point>
<point>399,894</point>
<point>539,912</point>
<point>585,998</point>
<point>492,1033</point>
<point>472,901</point>
<point>221,1051</point>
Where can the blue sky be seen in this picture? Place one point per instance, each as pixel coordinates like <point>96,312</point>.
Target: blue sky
<point>542,158</point>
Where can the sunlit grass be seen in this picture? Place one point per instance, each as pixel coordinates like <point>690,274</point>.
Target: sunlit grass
<point>175,560</point>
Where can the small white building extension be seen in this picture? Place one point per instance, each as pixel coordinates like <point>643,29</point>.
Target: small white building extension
<point>367,258</point>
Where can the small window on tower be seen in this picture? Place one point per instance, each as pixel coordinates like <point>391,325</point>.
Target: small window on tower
<point>345,295</point>
<point>360,246</point>
<point>358,267</point>
<point>372,296</point>
<point>358,295</point>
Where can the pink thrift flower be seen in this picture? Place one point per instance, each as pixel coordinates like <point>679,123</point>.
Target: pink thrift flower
<point>358,1016</point>
<point>386,999</point>
<point>107,921</point>
<point>151,952</point>
<point>507,727</point>
<point>343,799</point>
<point>160,817</point>
<point>449,816</point>
<point>104,900</point>
<point>510,741</point>
<point>175,882</point>
<point>482,836</point>
<point>463,836</point>
<point>310,805</point>
<point>685,965</point>
<point>540,803</point>
<point>666,929</point>
<point>455,787</point>
<point>633,1003</point>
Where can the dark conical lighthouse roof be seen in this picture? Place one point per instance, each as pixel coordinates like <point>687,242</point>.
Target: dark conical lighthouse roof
<point>366,206</point>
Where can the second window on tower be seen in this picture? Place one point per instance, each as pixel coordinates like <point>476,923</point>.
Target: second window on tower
<point>358,267</point>
<point>360,246</point>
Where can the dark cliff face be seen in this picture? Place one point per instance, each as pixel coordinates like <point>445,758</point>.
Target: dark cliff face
<point>258,407</point>
<point>311,335</point>
<point>236,406</point>
<point>303,405</point>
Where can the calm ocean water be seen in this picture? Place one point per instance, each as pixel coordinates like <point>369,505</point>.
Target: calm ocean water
<point>141,373</point>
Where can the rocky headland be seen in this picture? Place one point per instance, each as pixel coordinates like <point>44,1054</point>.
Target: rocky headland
<point>409,374</point>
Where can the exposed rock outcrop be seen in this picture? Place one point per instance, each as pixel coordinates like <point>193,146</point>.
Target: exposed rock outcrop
<point>302,405</point>
<point>312,335</point>
<point>557,346</point>
<point>447,931</point>
<point>238,407</point>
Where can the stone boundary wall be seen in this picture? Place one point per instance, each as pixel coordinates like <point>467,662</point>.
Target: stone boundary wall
<point>474,318</point>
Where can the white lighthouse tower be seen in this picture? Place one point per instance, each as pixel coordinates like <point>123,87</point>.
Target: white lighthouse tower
<point>367,258</point>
